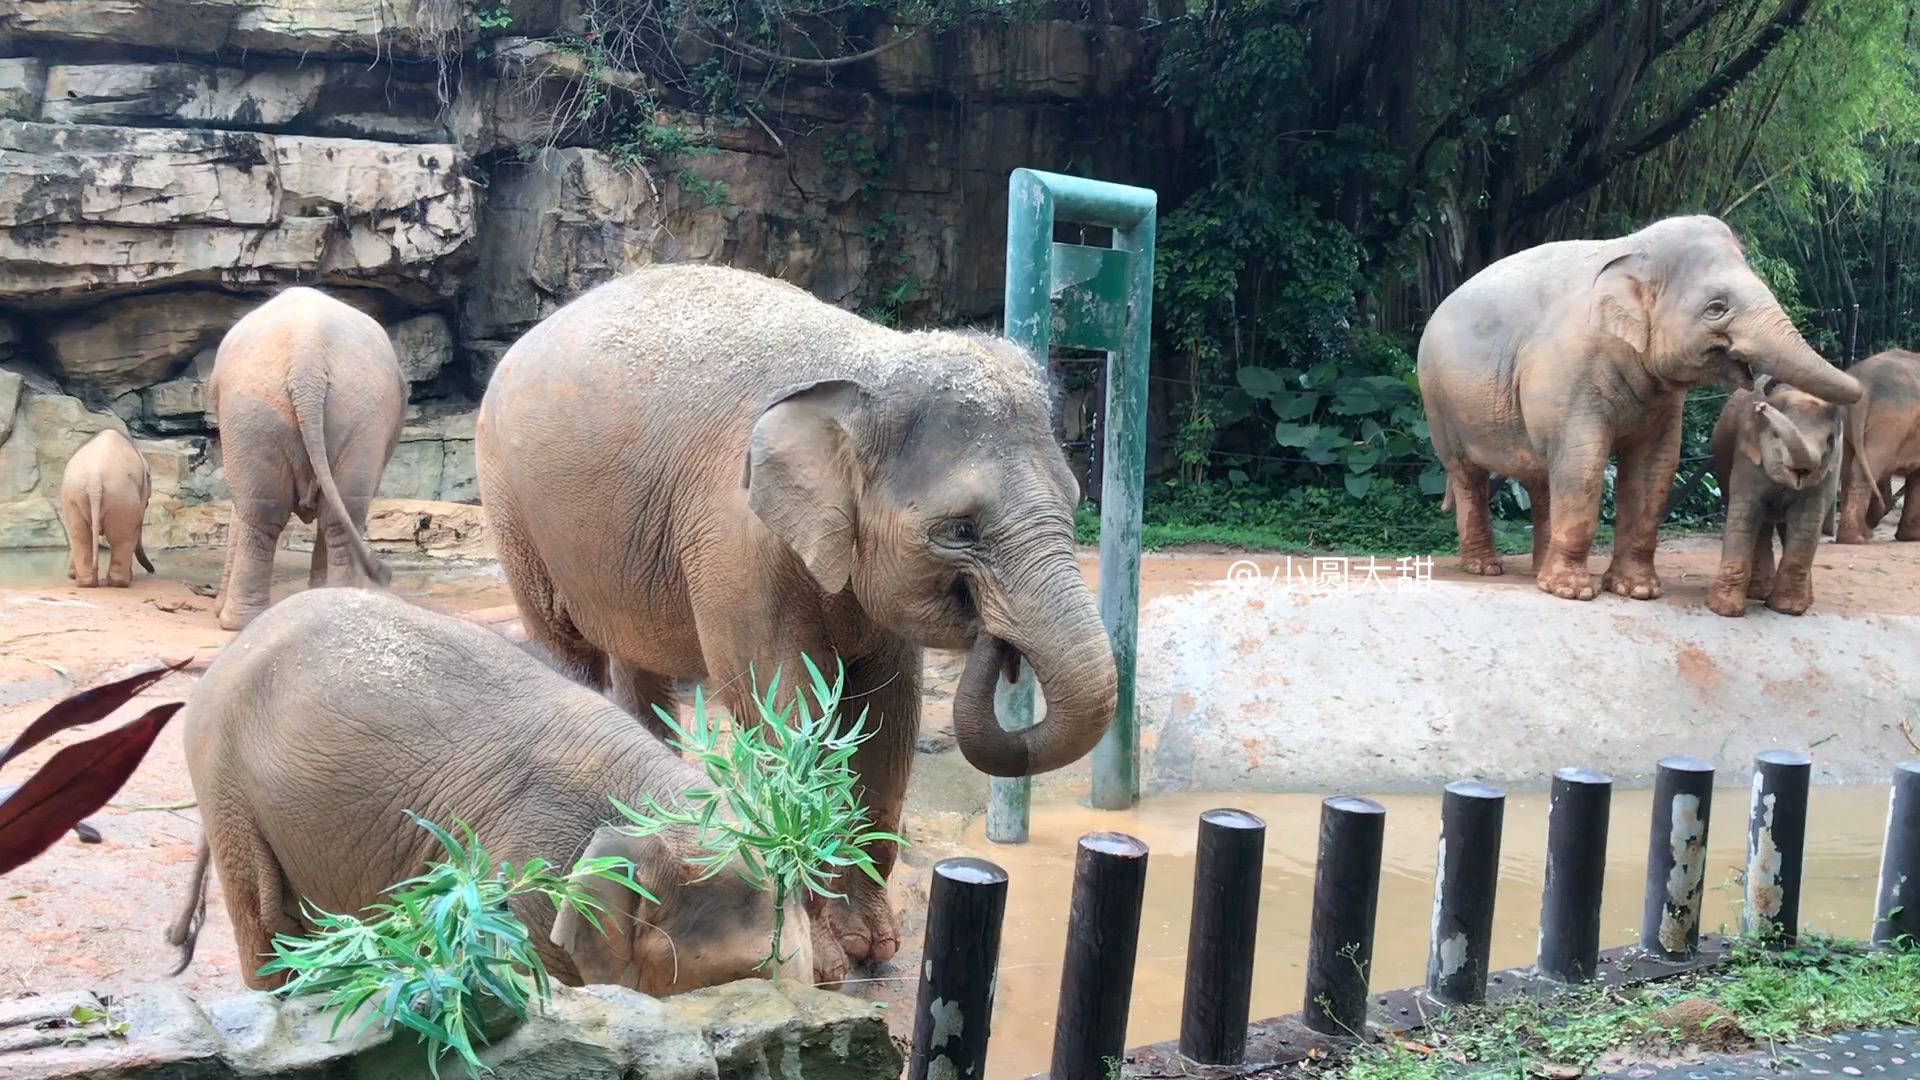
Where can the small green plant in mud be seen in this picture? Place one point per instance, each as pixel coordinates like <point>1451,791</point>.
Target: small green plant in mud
<point>1821,985</point>
<point>442,946</point>
<point>793,820</point>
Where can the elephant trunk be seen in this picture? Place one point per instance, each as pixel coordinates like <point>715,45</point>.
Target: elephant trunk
<point>1785,355</point>
<point>1799,451</point>
<point>1057,628</point>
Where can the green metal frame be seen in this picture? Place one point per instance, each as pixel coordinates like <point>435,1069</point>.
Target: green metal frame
<point>1085,297</point>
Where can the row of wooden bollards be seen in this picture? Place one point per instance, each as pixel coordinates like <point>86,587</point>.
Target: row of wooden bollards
<point>968,903</point>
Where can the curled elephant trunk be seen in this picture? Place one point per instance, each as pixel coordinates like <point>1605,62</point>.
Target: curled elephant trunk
<point>1785,355</point>
<point>1800,452</point>
<point>1073,661</point>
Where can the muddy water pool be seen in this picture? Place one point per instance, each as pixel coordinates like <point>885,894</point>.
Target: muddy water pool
<point>1844,835</point>
<point>473,583</point>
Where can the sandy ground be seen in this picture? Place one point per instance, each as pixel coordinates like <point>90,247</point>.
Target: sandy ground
<point>93,916</point>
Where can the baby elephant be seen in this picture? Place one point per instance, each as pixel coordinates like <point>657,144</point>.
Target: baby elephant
<point>1776,455</point>
<point>103,496</point>
<point>337,709</point>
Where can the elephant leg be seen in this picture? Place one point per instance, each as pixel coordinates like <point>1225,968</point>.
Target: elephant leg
<point>887,686</point>
<point>1855,493</point>
<point>542,614</point>
<point>1792,592</point>
<point>82,556</point>
<point>1760,580</point>
<point>1909,528</point>
<point>1640,492</point>
<point>319,565</point>
<point>1540,510</point>
<point>121,540</point>
<point>250,546</point>
<point>1574,477</point>
<point>638,691</point>
<point>1741,539</point>
<point>1473,519</point>
<point>258,902</point>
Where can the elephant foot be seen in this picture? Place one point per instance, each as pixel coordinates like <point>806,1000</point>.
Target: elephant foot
<point>235,623</point>
<point>1759,588</point>
<point>1791,601</point>
<point>120,582</point>
<point>1906,535</point>
<point>1729,602</point>
<point>1851,536</point>
<point>1483,565</point>
<point>1633,582</point>
<point>829,959</point>
<point>869,930</point>
<point>1566,581</point>
<point>90,581</point>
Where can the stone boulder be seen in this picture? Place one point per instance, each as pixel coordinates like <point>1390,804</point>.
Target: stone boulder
<point>749,1028</point>
<point>434,460</point>
<point>424,345</point>
<point>79,205</point>
<point>412,29</point>
<point>128,344</point>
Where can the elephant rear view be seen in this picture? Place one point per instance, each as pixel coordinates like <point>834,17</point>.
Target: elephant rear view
<point>700,472</point>
<point>1882,444</point>
<point>309,399</point>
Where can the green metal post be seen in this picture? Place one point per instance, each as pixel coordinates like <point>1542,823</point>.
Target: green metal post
<point>1105,302</point>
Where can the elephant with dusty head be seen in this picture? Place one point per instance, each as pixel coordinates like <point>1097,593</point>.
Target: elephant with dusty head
<point>337,710</point>
<point>1776,457</point>
<point>1882,443</point>
<point>694,471</point>
<point>1546,362</point>
<point>309,400</point>
<point>103,496</point>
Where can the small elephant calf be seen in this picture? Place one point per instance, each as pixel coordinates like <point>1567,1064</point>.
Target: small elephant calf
<point>1776,455</point>
<point>337,709</point>
<point>103,496</point>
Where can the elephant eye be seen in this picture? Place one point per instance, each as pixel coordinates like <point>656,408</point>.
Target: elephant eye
<point>956,532</point>
<point>1716,309</point>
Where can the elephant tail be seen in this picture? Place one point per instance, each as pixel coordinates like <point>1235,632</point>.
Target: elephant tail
<point>1853,456</point>
<point>309,411</point>
<point>140,553</point>
<point>185,929</point>
<point>1446,500</point>
<point>93,514</point>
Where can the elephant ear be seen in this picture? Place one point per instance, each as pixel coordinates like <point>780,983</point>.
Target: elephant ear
<point>604,954</point>
<point>803,474</point>
<point>1622,304</point>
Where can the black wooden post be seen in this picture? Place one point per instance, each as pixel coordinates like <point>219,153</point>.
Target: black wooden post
<point>1897,908</point>
<point>1677,857</point>
<point>1577,815</point>
<point>1346,893</point>
<point>1103,935</point>
<point>1776,843</point>
<point>1464,882</point>
<point>1226,916</point>
<point>950,1019</point>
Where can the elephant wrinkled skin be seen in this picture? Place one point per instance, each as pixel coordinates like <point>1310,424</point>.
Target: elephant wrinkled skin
<point>693,471</point>
<point>103,496</point>
<point>1882,443</point>
<point>338,709</point>
<point>1549,360</point>
<point>309,400</point>
<point>1776,457</point>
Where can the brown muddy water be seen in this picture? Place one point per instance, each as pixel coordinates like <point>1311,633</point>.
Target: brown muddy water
<point>476,583</point>
<point>1843,851</point>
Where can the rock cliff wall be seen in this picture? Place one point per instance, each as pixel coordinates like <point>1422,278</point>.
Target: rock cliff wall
<point>165,165</point>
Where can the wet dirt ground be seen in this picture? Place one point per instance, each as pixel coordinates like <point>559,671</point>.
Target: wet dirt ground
<point>93,916</point>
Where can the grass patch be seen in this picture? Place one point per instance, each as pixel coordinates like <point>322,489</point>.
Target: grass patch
<point>1824,985</point>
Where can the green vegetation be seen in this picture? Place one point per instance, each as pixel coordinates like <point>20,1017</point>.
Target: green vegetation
<point>443,951</point>
<point>1820,986</point>
<point>794,821</point>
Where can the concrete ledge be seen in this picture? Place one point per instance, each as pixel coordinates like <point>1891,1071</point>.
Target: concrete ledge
<point>748,1029</point>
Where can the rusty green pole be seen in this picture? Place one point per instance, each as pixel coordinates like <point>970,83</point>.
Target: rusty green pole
<point>1090,298</point>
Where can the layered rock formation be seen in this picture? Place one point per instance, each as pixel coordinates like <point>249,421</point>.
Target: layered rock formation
<point>165,165</point>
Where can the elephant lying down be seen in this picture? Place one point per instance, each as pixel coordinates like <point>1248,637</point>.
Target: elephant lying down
<point>337,709</point>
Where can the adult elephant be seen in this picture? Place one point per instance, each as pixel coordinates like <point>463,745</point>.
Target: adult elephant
<point>696,471</point>
<point>309,400</point>
<point>1549,360</point>
<point>1882,443</point>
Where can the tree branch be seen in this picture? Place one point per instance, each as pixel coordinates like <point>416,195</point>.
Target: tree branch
<point>1576,179</point>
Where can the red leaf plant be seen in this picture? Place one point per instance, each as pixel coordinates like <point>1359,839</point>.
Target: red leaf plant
<point>79,779</point>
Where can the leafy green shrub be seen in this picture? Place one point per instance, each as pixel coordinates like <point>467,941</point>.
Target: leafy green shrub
<point>445,942</point>
<point>794,819</point>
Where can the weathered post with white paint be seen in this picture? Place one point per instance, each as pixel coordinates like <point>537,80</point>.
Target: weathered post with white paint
<point>1467,874</point>
<point>1776,845</point>
<point>1577,816</point>
<point>1103,936</point>
<point>1897,903</point>
<point>1226,918</point>
<point>1346,894</point>
<point>1099,298</point>
<point>1677,857</point>
<point>951,1018</point>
